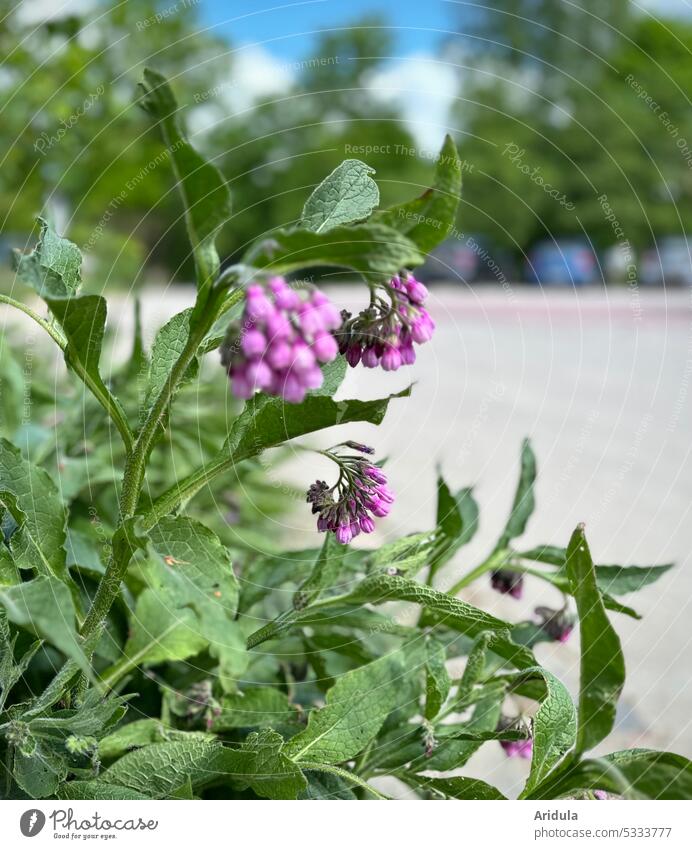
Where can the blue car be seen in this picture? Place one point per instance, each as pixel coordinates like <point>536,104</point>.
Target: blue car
<point>565,262</point>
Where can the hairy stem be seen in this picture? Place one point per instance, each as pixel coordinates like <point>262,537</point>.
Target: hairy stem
<point>136,464</point>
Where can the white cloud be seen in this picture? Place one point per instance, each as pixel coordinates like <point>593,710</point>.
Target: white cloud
<point>423,88</point>
<point>32,12</point>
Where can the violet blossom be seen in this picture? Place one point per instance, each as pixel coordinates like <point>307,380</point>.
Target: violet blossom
<point>281,341</point>
<point>385,332</point>
<point>360,495</point>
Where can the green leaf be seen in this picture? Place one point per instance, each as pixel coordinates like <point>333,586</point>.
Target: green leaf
<point>428,219</point>
<point>267,422</point>
<point>11,670</point>
<point>44,606</point>
<point>457,787</point>
<point>159,769</point>
<point>407,555</point>
<point>98,789</point>
<point>457,521</point>
<point>168,345</point>
<point>262,764</point>
<point>602,663</point>
<point>524,501</point>
<point>29,495</point>
<point>206,584</point>
<point>348,194</point>
<point>324,785</point>
<point>437,680</point>
<point>254,707</point>
<point>618,580</point>
<point>475,666</point>
<point>450,611</point>
<point>634,773</point>
<point>206,197</point>
<point>554,728</point>
<point>53,268</point>
<point>357,706</point>
<point>373,250</point>
<point>39,771</point>
<point>142,732</point>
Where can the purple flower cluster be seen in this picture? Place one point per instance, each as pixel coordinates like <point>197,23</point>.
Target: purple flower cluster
<point>361,494</point>
<point>281,341</point>
<point>507,582</point>
<point>384,333</point>
<point>557,624</point>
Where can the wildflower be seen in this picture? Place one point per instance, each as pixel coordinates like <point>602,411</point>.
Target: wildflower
<point>280,342</point>
<point>507,582</point>
<point>557,624</point>
<point>522,748</point>
<point>361,493</point>
<point>384,333</point>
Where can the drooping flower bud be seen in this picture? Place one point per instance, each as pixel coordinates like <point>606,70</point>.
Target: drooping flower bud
<point>361,492</point>
<point>507,582</point>
<point>383,334</point>
<point>557,624</point>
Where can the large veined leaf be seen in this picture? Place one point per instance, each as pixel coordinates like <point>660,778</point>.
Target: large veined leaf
<point>263,764</point>
<point>191,602</point>
<point>168,346</point>
<point>428,219</point>
<point>373,250</point>
<point>161,768</point>
<point>456,787</point>
<point>357,706</point>
<point>348,194</point>
<point>524,501</point>
<point>29,496</point>
<point>602,663</point>
<point>635,773</point>
<point>206,197</point>
<point>54,267</point>
<point>554,728</point>
<point>44,606</point>
<point>452,612</point>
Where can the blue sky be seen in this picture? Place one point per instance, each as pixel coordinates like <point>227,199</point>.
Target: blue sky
<point>285,28</point>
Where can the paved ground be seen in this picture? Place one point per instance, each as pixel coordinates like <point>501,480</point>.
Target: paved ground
<point>601,383</point>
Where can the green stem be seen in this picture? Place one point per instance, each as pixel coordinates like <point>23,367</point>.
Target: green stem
<point>346,775</point>
<point>496,559</point>
<point>46,325</point>
<point>135,466</point>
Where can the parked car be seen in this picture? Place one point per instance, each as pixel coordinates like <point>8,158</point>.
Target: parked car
<point>562,262</point>
<point>669,263</point>
<point>469,258</point>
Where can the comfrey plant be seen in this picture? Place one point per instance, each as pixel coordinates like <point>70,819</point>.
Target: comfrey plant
<point>145,653</point>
